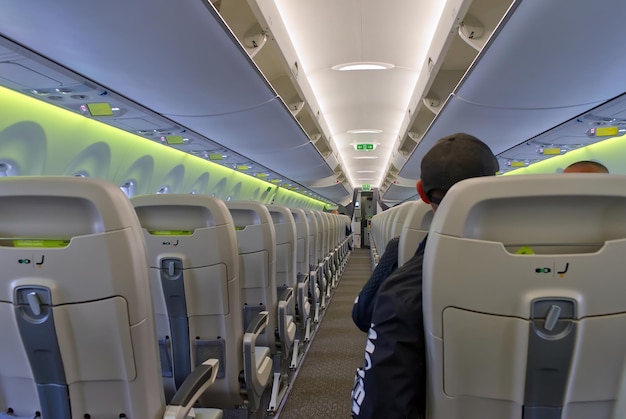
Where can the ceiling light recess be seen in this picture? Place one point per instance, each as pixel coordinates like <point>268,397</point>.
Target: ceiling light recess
<point>365,131</point>
<point>364,65</point>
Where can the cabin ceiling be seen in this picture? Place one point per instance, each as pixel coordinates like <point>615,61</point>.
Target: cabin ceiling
<point>252,81</point>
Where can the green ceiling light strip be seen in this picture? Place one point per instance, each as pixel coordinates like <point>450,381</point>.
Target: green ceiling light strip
<point>609,152</point>
<point>62,129</point>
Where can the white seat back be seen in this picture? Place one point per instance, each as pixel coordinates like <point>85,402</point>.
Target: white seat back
<point>322,221</point>
<point>197,301</point>
<point>76,316</point>
<point>285,231</point>
<point>256,241</point>
<point>399,219</point>
<point>302,241</point>
<point>315,242</point>
<point>524,307</point>
<point>414,229</point>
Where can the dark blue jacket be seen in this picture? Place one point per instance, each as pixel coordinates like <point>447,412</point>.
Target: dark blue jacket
<point>364,303</point>
<point>392,382</point>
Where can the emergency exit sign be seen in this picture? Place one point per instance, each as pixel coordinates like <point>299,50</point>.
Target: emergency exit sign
<point>366,187</point>
<point>365,147</point>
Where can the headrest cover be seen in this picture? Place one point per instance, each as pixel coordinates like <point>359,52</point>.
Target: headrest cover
<point>455,158</point>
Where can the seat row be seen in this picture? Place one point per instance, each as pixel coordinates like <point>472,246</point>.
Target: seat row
<point>409,221</point>
<point>111,307</point>
<point>523,298</point>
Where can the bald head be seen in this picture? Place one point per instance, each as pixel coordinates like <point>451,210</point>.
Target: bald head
<point>586,166</point>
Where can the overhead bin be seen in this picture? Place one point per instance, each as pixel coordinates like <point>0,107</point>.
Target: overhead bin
<point>185,65</point>
<point>532,76</point>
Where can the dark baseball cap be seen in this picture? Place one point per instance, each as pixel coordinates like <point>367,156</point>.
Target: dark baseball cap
<point>455,158</point>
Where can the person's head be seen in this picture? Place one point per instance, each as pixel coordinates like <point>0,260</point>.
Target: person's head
<point>586,166</point>
<point>452,159</point>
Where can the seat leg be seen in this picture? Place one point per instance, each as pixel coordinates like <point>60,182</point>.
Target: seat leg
<point>317,313</point>
<point>307,330</point>
<point>294,355</point>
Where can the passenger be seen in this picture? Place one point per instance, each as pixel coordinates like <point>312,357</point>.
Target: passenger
<point>392,382</point>
<point>364,303</point>
<point>586,166</point>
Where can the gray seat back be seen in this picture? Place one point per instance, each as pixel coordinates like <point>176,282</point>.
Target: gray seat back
<point>76,316</point>
<point>523,291</point>
<point>194,273</point>
<point>414,229</point>
<point>256,242</point>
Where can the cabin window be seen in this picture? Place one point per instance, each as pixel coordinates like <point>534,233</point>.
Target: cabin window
<point>129,188</point>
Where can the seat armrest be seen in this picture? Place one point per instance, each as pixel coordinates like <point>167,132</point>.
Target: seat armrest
<point>313,283</point>
<point>194,385</point>
<point>286,294</point>
<point>256,326</point>
<point>302,299</point>
<point>303,278</point>
<point>285,302</point>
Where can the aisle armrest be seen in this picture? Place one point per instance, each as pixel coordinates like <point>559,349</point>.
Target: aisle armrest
<point>256,371</point>
<point>286,325</point>
<point>192,388</point>
<point>304,307</point>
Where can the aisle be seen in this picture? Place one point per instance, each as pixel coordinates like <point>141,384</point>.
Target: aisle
<point>324,382</point>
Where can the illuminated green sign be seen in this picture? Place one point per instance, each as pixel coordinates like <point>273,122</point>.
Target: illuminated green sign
<point>365,147</point>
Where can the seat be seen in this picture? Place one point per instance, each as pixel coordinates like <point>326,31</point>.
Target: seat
<point>346,242</point>
<point>316,277</point>
<point>333,248</point>
<point>256,240</point>
<point>287,277</point>
<point>76,316</point>
<point>324,259</point>
<point>399,219</point>
<point>523,290</point>
<point>376,225</point>
<point>302,269</point>
<point>194,273</point>
<point>414,229</point>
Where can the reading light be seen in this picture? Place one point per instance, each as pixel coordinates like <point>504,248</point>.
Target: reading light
<point>362,66</point>
<point>613,131</point>
<point>99,109</point>
<point>551,151</point>
<point>173,139</point>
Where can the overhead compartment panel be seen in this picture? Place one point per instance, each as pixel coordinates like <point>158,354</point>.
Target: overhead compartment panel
<point>181,60</point>
<point>533,75</point>
<point>267,134</point>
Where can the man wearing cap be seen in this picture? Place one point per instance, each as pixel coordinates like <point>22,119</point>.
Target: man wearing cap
<point>392,382</point>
